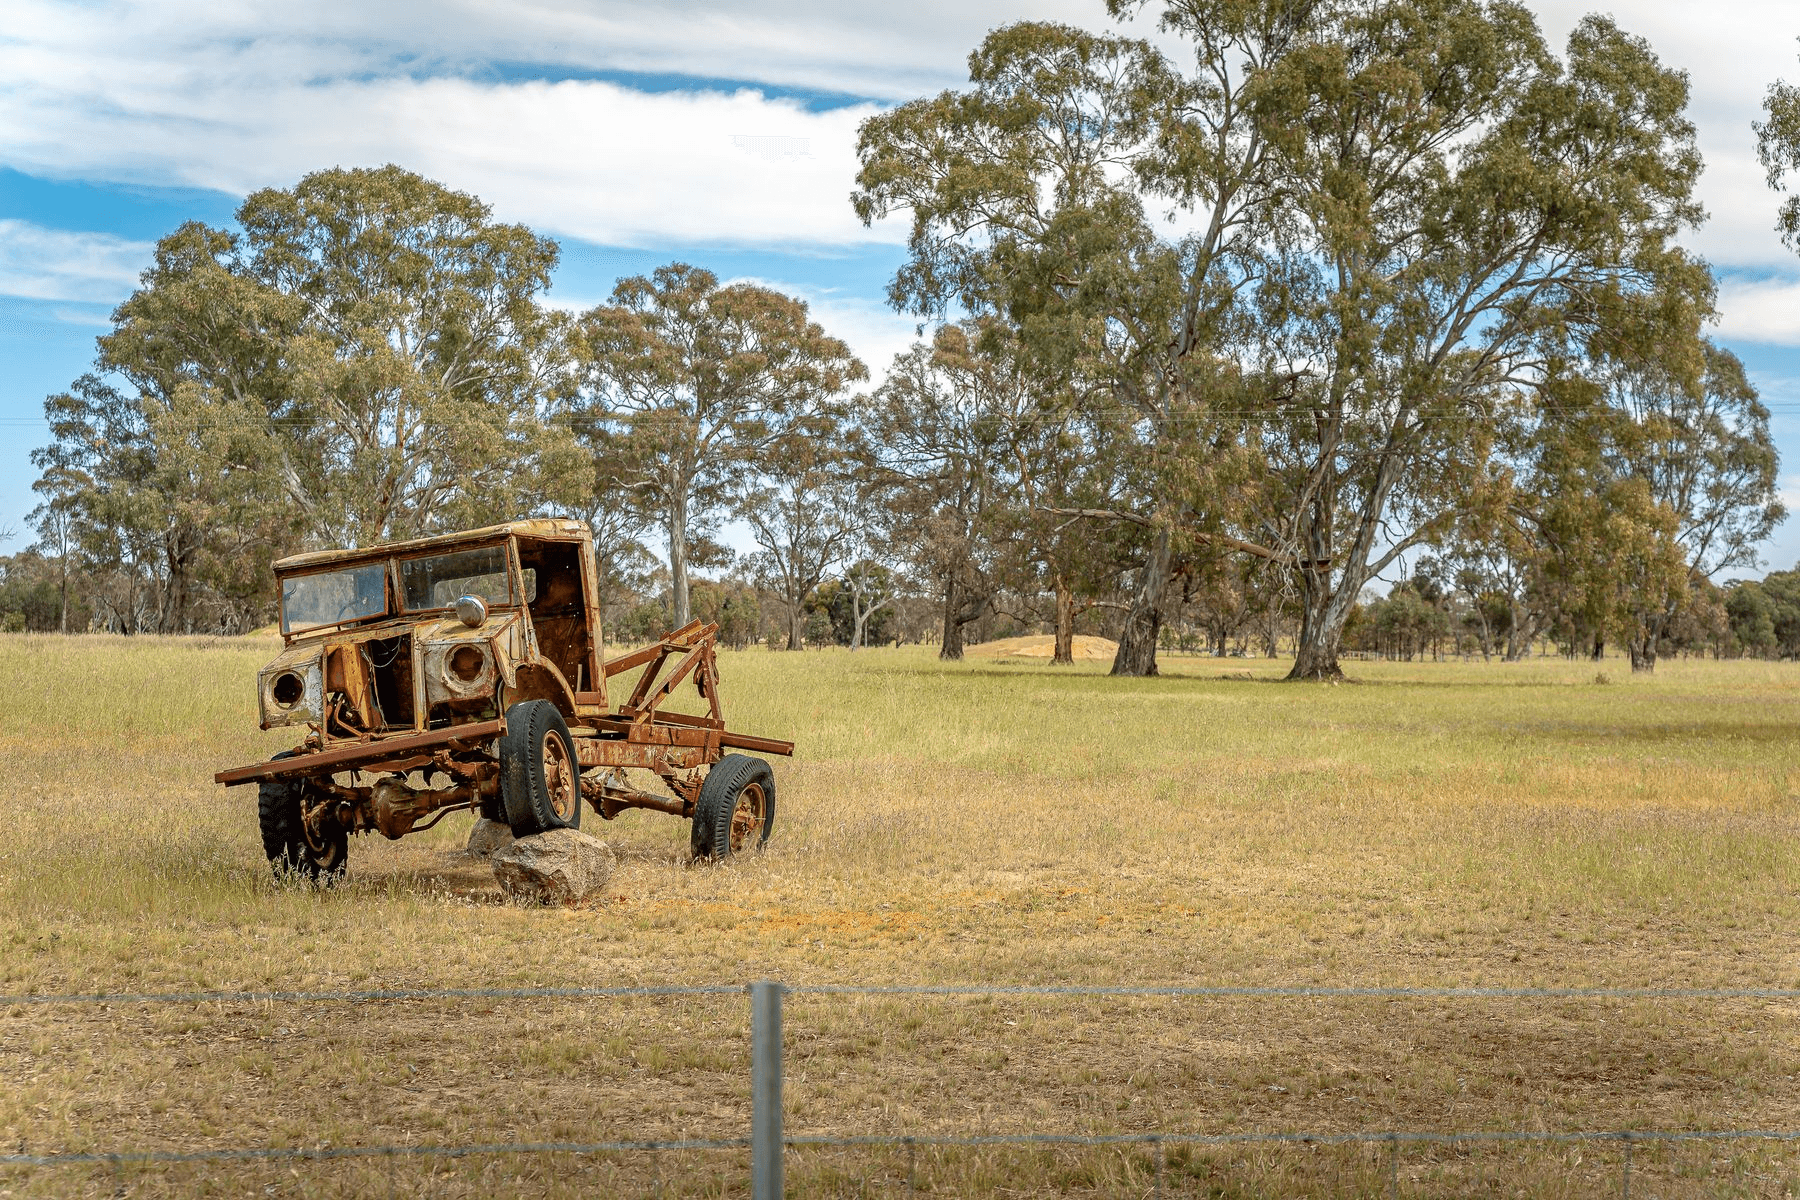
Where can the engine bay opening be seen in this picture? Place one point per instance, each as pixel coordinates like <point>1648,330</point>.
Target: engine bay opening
<point>391,676</point>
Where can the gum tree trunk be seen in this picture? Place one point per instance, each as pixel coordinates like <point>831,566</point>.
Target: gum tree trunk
<point>1642,648</point>
<point>678,580</point>
<point>951,647</point>
<point>1143,621</point>
<point>1065,622</point>
<point>1321,628</point>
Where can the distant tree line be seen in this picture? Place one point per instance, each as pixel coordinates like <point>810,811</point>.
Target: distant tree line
<point>1430,616</point>
<point>1217,339</point>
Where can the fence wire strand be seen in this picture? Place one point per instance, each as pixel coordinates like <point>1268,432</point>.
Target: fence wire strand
<point>289,1153</point>
<point>910,1142</point>
<point>1298,992</point>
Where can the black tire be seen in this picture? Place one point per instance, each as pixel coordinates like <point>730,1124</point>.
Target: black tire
<point>292,854</point>
<point>540,778</point>
<point>736,808</point>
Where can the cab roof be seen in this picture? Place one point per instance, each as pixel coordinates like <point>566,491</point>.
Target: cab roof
<point>538,527</point>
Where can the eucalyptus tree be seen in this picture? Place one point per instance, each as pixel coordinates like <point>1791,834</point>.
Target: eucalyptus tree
<point>802,511</point>
<point>608,505</point>
<point>1039,196</point>
<point>1465,214</point>
<point>872,587</point>
<point>1778,146</point>
<point>940,431</point>
<point>1400,212</point>
<point>370,350</point>
<point>1074,508</point>
<point>700,380</point>
<point>1657,483</point>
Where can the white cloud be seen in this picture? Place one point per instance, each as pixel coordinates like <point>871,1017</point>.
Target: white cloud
<point>885,51</point>
<point>53,264</point>
<point>1732,52</point>
<point>582,158</point>
<point>99,318</point>
<point>237,94</point>
<point>240,94</point>
<point>1760,310</point>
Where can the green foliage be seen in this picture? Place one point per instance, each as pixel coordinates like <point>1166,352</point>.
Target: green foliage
<point>1402,625</point>
<point>1403,210</point>
<point>1778,146</point>
<point>731,605</point>
<point>366,360</point>
<point>374,339</point>
<point>686,383</point>
<point>837,601</point>
<point>803,509</point>
<point>29,595</point>
<point>1765,615</point>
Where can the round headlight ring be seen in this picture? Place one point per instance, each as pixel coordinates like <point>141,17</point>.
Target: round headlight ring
<point>288,689</point>
<point>465,663</point>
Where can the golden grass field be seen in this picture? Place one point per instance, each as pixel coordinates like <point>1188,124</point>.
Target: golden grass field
<point>981,823</point>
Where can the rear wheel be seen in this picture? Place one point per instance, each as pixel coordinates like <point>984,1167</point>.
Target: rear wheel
<point>736,808</point>
<point>540,778</point>
<point>293,851</point>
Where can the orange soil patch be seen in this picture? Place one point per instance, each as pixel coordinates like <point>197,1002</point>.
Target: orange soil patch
<point>1042,645</point>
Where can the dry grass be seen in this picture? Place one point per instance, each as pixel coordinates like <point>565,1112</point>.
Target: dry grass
<point>980,823</point>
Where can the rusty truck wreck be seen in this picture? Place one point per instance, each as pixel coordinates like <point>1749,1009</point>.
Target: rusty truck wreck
<point>465,671</point>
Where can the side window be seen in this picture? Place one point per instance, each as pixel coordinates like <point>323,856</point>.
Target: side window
<point>552,576</point>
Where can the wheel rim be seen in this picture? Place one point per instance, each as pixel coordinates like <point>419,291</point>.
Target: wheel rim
<point>559,777</point>
<point>747,816</point>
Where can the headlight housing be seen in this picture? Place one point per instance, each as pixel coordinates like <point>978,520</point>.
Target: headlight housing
<point>459,671</point>
<point>291,692</point>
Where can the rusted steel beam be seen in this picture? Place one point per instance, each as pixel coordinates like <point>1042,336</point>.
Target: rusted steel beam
<point>625,662</point>
<point>743,741</point>
<point>600,753</point>
<point>362,752</point>
<point>691,720</point>
<point>647,734</point>
<point>658,734</point>
<point>681,635</point>
<point>689,640</point>
<point>663,690</point>
<point>669,643</point>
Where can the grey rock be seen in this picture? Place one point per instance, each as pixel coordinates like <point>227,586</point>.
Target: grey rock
<point>562,866</point>
<point>487,837</point>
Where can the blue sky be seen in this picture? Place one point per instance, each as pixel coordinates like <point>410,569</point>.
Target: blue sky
<point>636,132</point>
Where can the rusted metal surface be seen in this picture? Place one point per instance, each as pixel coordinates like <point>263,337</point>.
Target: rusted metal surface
<point>610,798</point>
<point>361,754</point>
<point>417,686</point>
<point>540,527</point>
<point>747,818</point>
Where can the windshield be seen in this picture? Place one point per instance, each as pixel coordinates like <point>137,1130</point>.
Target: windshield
<point>437,581</point>
<point>331,597</point>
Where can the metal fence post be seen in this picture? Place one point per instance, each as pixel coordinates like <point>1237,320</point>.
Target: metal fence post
<point>765,1090</point>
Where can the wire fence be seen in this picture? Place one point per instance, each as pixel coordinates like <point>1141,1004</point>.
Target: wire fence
<point>767,1140</point>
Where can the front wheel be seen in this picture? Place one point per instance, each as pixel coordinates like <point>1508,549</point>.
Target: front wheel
<point>293,851</point>
<point>736,808</point>
<point>540,778</point>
